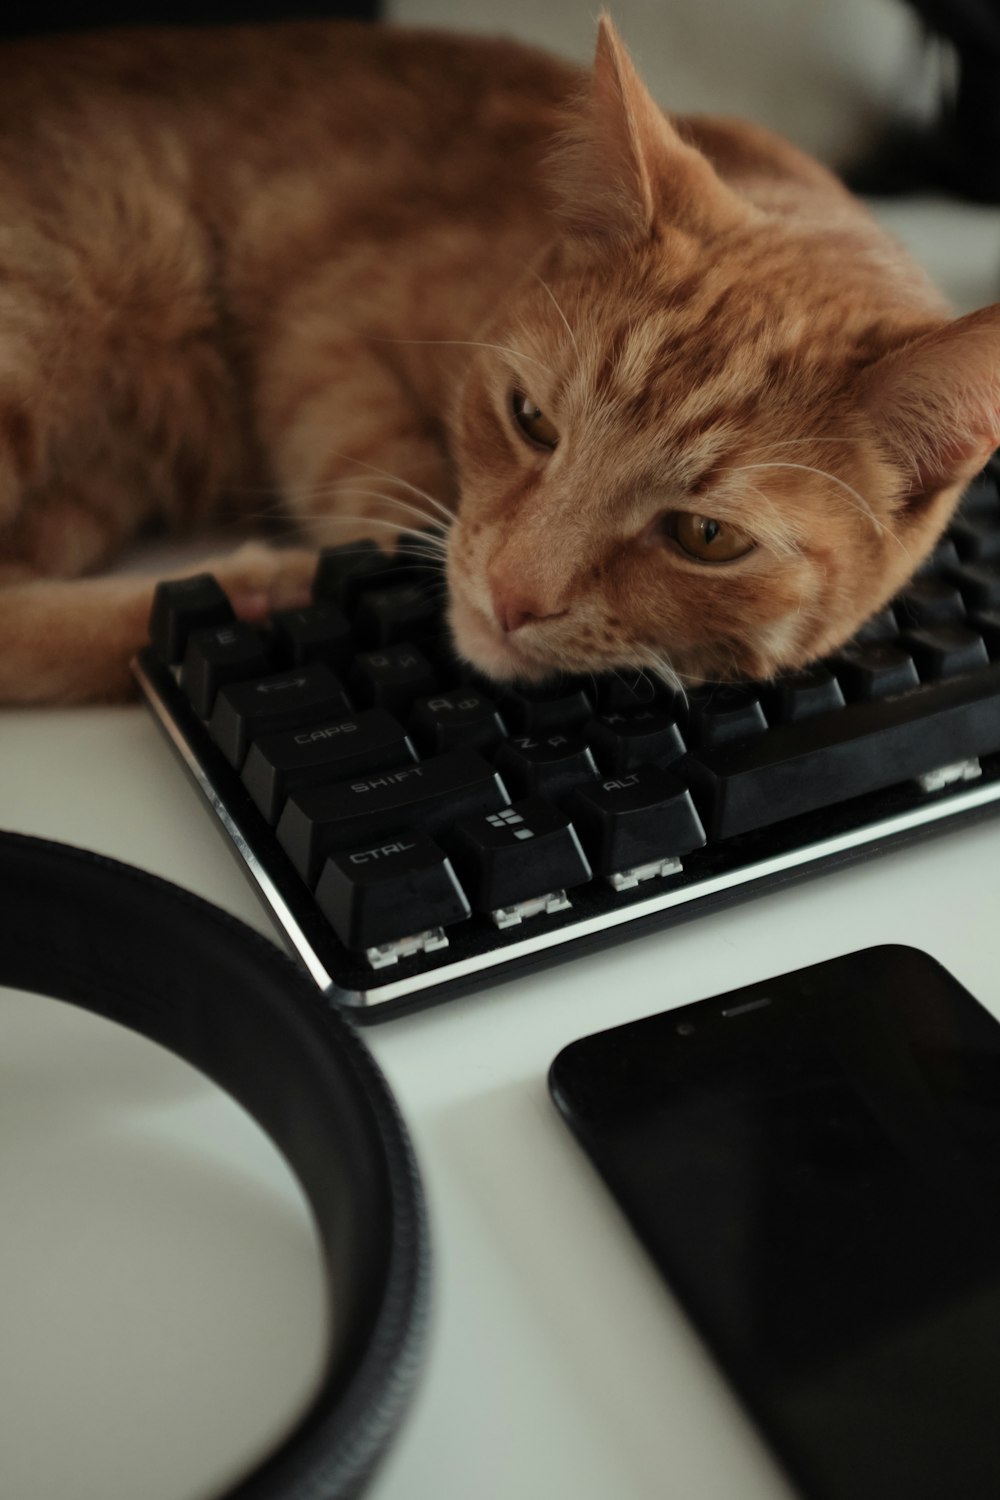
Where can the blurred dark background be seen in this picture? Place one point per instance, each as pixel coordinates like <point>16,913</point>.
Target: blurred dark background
<point>50,15</point>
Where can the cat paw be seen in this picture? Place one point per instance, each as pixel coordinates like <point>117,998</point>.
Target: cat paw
<point>261,579</point>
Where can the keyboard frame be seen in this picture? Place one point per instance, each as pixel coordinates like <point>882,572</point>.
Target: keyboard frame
<point>479,953</point>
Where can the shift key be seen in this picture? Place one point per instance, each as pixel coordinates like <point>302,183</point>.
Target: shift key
<point>424,798</point>
<point>280,764</point>
<point>800,768</point>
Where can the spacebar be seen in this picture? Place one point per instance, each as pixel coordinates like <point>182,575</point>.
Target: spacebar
<point>797,768</point>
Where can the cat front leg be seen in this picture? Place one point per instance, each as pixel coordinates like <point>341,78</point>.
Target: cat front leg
<point>354,451</point>
<point>71,641</point>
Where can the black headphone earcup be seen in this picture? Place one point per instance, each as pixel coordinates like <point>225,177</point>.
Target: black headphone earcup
<point>124,944</point>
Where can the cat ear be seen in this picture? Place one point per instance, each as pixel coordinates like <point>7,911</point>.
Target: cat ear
<point>936,402</point>
<point>623,167</point>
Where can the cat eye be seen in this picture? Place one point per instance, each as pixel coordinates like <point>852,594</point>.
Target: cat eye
<point>532,421</point>
<point>706,539</point>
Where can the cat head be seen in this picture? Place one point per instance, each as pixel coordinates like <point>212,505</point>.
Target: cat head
<point>703,439</point>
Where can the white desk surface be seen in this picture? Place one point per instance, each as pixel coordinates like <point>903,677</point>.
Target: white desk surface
<point>160,1300</point>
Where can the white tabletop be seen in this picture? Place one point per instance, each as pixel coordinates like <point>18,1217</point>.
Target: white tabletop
<point>161,1309</point>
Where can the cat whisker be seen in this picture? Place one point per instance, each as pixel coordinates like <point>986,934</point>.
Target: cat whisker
<point>339,518</point>
<point>416,547</point>
<point>615,673</point>
<point>470,344</point>
<point>276,517</point>
<point>393,526</point>
<point>395,500</point>
<point>374,494</point>
<point>666,673</point>
<point>414,489</point>
<point>640,676</point>
<point>771,527</point>
<point>821,473</point>
<point>552,298</point>
<point>428,563</point>
<point>439,590</point>
<point>862,504</point>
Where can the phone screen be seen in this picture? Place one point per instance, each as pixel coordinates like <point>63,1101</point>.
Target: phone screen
<point>814,1164</point>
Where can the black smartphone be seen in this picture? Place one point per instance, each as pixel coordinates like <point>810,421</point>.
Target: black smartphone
<point>814,1165</point>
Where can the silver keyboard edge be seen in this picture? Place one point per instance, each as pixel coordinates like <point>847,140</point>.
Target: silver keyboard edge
<point>273,898</point>
<point>967,800</point>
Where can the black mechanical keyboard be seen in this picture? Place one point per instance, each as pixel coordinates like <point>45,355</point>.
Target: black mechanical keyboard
<point>416,831</point>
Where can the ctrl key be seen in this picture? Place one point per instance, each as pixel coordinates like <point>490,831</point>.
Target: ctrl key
<point>391,899</point>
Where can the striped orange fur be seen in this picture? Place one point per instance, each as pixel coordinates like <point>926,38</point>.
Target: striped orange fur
<point>312,269</point>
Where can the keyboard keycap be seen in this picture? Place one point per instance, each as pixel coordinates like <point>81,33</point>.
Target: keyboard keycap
<point>538,711</point>
<point>980,584</point>
<point>184,605</point>
<point>936,565</point>
<point>801,695</point>
<point>982,494</point>
<point>946,651</point>
<point>929,601</point>
<point>527,850</point>
<point>625,690</point>
<point>987,624</point>
<point>622,741</point>
<point>343,573</point>
<point>545,767</point>
<point>225,653</point>
<point>400,612</point>
<point>800,767</point>
<point>392,678</point>
<point>320,632</point>
<point>880,627</point>
<point>279,764</point>
<point>876,671</point>
<point>722,715</point>
<point>424,798</point>
<point>389,890</point>
<point>462,717</point>
<point>976,538</point>
<point>630,821</point>
<point>285,700</point>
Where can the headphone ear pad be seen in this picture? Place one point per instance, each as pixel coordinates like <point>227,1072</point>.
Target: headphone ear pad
<point>119,942</point>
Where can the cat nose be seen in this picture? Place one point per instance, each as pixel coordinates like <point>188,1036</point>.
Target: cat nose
<point>514,609</point>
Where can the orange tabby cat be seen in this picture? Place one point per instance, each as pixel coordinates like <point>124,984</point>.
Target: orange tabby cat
<point>690,407</point>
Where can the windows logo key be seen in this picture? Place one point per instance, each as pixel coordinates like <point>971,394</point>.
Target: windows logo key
<point>503,877</point>
<point>509,819</point>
